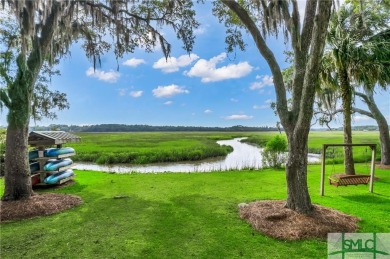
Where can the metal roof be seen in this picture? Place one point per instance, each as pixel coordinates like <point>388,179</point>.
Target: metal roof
<point>37,138</point>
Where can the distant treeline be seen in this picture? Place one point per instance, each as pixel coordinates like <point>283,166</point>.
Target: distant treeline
<point>148,128</point>
<point>143,128</point>
<point>363,128</point>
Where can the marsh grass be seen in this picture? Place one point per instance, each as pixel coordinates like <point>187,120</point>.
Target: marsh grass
<point>150,147</point>
<point>182,216</point>
<point>155,147</point>
<point>333,155</point>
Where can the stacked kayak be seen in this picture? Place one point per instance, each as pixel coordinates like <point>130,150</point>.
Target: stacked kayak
<point>55,178</point>
<point>34,167</point>
<point>56,164</point>
<point>52,167</point>
<point>55,152</point>
<point>33,154</point>
<point>51,152</point>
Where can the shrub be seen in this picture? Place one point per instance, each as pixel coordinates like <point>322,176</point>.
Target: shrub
<point>277,144</point>
<point>274,153</point>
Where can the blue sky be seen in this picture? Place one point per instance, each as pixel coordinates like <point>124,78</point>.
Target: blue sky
<point>207,88</point>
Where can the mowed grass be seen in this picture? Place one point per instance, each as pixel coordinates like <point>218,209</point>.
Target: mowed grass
<point>182,216</point>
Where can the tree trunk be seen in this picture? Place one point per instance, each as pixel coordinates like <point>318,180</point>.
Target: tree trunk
<point>385,141</point>
<point>384,135</point>
<point>346,94</point>
<point>298,197</point>
<point>17,168</point>
<point>295,121</point>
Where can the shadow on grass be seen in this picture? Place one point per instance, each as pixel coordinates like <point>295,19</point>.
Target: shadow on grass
<point>145,224</point>
<point>368,198</point>
<point>190,224</point>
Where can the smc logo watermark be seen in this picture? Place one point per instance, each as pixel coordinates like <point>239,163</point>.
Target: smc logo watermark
<point>358,245</point>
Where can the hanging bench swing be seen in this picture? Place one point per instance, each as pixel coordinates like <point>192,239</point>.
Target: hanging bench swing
<point>343,179</point>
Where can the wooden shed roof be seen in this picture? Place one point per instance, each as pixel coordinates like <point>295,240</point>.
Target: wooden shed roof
<point>37,138</point>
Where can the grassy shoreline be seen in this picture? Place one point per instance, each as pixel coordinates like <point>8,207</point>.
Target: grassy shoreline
<point>150,147</point>
<point>182,216</point>
<point>336,154</point>
<point>154,147</point>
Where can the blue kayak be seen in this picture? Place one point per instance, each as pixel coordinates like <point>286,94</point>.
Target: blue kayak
<point>55,178</point>
<point>54,152</point>
<point>33,154</point>
<point>34,167</point>
<point>53,164</point>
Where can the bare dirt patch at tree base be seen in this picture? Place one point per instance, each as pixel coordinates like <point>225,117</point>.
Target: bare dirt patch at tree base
<point>271,218</point>
<point>37,205</point>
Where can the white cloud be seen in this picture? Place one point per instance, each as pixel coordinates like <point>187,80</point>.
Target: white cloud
<point>122,91</point>
<point>168,103</point>
<point>110,76</point>
<point>174,64</point>
<point>265,80</point>
<point>200,30</point>
<point>136,94</point>
<point>169,91</point>
<point>238,117</point>
<point>134,62</point>
<point>207,70</point>
<point>208,111</point>
<point>269,101</point>
<point>361,118</point>
<point>260,107</point>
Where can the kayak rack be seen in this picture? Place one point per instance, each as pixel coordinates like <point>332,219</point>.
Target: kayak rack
<point>42,140</point>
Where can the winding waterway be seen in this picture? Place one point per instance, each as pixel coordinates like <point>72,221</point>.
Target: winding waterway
<point>243,156</point>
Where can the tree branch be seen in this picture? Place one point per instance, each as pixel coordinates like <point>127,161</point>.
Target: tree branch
<point>268,56</point>
<point>4,99</point>
<point>301,55</point>
<point>295,26</point>
<point>363,96</point>
<point>312,68</point>
<point>308,23</point>
<point>100,5</point>
<point>363,112</point>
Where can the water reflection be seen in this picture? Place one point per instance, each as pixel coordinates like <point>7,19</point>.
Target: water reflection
<point>243,156</point>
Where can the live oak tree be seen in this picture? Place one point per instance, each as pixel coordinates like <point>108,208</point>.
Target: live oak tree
<point>44,101</point>
<point>47,30</point>
<point>266,17</point>
<point>373,112</point>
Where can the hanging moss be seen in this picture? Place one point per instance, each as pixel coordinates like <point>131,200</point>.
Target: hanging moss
<point>20,92</point>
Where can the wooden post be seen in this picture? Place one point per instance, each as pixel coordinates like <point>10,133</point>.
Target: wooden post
<point>372,173</point>
<point>323,169</point>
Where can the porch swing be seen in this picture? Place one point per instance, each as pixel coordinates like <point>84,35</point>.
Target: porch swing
<point>343,179</point>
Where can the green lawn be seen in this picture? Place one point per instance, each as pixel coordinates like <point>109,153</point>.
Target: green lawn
<point>182,216</point>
